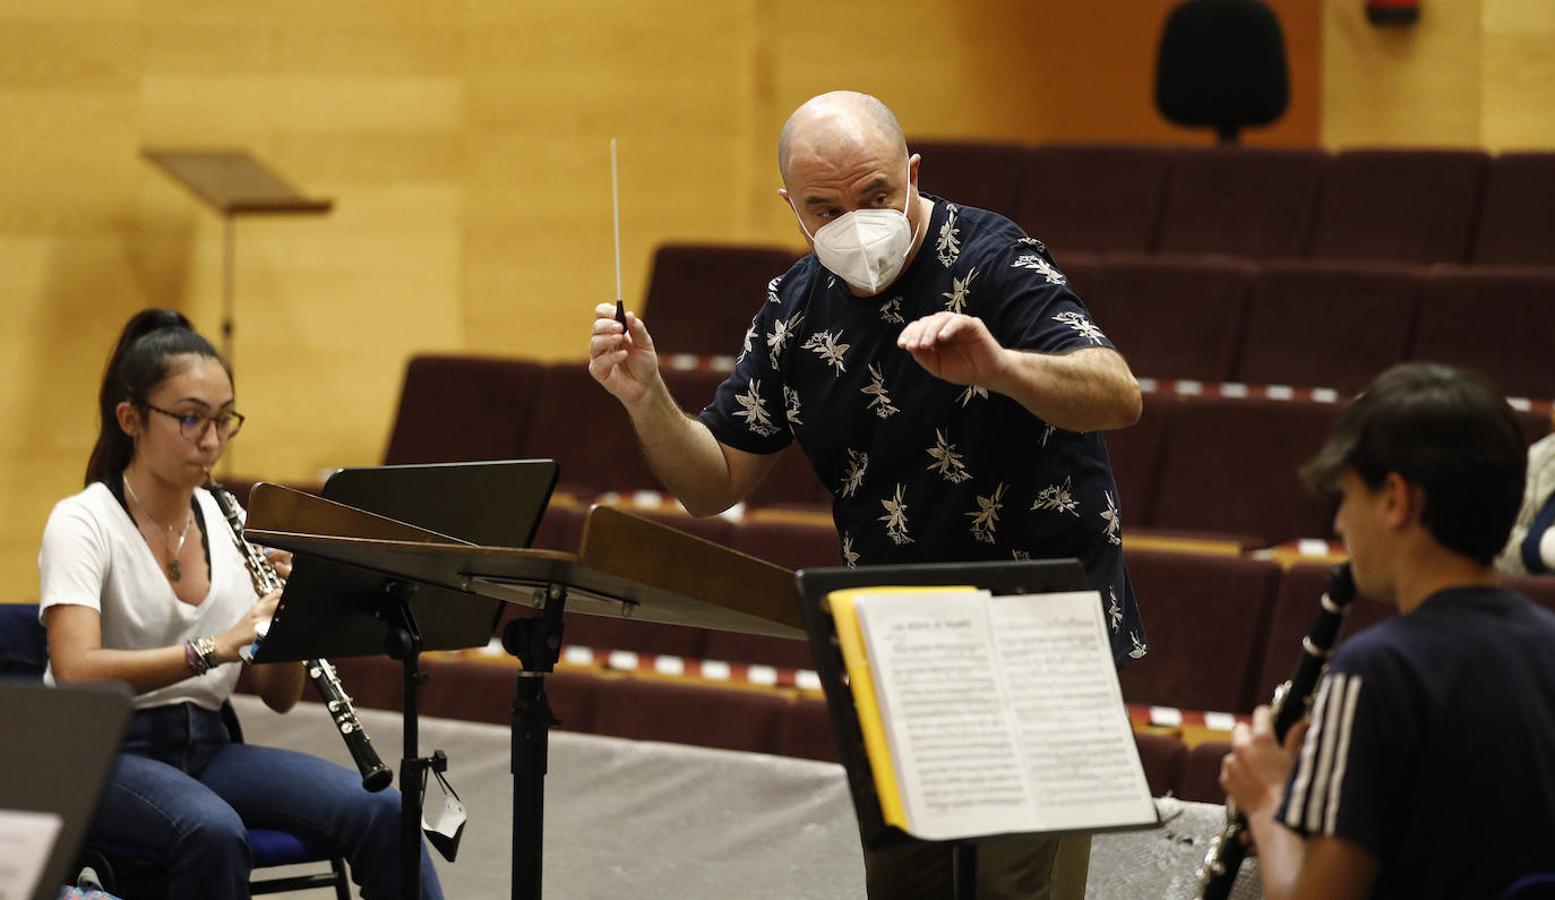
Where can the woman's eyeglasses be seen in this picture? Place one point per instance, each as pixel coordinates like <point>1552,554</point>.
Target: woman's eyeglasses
<point>194,424</point>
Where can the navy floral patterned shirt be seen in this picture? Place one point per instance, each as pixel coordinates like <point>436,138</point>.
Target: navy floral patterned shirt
<point>922,470</point>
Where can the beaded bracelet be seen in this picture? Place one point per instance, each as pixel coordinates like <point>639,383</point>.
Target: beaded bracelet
<point>192,657</point>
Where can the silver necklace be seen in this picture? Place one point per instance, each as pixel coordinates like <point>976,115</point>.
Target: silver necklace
<point>174,570</point>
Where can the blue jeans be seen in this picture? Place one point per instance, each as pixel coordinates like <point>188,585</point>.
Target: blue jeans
<point>181,787</point>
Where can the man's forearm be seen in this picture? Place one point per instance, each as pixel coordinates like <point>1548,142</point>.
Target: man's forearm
<point>1280,856</point>
<point>682,453</point>
<point>1087,390</point>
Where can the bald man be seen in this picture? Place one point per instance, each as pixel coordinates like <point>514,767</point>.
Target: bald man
<point>944,382</point>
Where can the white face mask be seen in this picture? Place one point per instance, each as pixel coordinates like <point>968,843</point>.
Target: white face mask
<point>866,247</point>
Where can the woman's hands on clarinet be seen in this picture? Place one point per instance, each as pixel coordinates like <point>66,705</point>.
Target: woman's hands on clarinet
<point>243,633</point>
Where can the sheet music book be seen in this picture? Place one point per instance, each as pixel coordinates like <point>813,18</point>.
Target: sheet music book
<point>987,715</point>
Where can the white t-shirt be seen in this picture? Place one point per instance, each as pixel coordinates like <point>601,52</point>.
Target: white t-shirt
<point>94,556</point>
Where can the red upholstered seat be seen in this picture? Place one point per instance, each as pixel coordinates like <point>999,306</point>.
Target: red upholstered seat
<point>581,426</point>
<point>1135,453</point>
<point>790,544</point>
<point>791,483</point>
<point>1497,321</point>
<point>1093,197</point>
<point>984,175</point>
<point>1517,213</point>
<point>463,408</point>
<point>1173,318</point>
<point>1406,206</point>
<point>807,733</point>
<point>1241,201</point>
<point>1295,609</point>
<point>727,718</point>
<point>1205,618</point>
<point>1326,324</point>
<point>483,692</point>
<point>701,297</point>
<point>1163,757</point>
<point>1200,780</point>
<point>633,635</point>
<point>1538,588</point>
<point>730,646</point>
<point>1230,465</point>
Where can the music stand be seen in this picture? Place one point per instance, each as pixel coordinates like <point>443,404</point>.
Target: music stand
<point>60,747</point>
<point>1016,577</point>
<point>626,566</point>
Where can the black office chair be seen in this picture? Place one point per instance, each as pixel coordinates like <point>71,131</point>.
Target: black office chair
<point>134,872</point>
<point>1222,65</point>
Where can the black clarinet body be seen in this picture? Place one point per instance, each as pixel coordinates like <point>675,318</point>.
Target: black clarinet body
<point>1291,703</point>
<point>375,775</point>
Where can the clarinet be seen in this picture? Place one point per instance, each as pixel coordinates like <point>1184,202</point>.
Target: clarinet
<point>375,775</point>
<point>1291,703</point>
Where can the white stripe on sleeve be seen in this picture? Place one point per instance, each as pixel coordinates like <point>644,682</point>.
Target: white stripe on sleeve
<point>1325,756</point>
<point>1298,787</point>
<point>1351,697</point>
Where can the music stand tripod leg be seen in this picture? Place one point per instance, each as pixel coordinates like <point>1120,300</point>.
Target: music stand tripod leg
<point>403,642</point>
<point>537,644</point>
<point>963,870</point>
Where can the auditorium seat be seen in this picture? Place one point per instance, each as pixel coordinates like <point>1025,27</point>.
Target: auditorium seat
<point>1173,318</point>
<point>1093,197</point>
<point>1517,212</point>
<point>483,691</point>
<point>560,528</point>
<point>651,710</point>
<point>1205,618</point>
<point>1296,607</point>
<point>1135,453</point>
<point>806,731</point>
<point>1200,780</point>
<point>611,632</point>
<point>791,483</point>
<point>1247,202</point>
<point>701,297</point>
<point>581,426</point>
<point>1327,324</point>
<point>757,649</point>
<point>463,408</point>
<point>789,542</point>
<point>1407,206</point>
<point>1498,321</point>
<point>1230,465</point>
<point>1538,588</point>
<point>986,175</point>
<point>1162,756</point>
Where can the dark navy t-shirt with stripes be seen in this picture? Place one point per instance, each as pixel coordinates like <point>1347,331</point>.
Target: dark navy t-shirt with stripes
<point>922,470</point>
<point>1432,746</point>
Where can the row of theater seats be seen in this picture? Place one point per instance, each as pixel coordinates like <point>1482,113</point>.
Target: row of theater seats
<point>1204,464</point>
<point>1295,322</point>
<point>1401,205</point>
<point>1224,631</point>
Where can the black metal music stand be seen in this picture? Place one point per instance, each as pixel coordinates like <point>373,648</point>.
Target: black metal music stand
<point>59,749</point>
<point>626,566</point>
<point>1017,577</point>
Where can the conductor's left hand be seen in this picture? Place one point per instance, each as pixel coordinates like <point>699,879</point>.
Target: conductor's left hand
<point>956,348</point>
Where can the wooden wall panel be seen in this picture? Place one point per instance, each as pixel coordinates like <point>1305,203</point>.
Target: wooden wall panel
<point>465,144</point>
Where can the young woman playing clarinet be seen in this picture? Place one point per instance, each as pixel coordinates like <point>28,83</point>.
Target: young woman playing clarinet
<point>141,584</point>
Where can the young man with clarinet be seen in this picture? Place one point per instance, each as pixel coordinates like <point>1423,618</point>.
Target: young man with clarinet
<point>1428,768</point>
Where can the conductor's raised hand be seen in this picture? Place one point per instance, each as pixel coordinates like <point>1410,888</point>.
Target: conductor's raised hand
<point>956,348</point>
<point>622,360</point>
